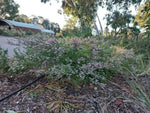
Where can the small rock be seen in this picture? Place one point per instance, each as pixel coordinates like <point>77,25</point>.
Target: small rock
<point>95,88</point>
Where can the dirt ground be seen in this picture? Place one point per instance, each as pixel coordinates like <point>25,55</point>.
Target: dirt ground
<point>61,97</point>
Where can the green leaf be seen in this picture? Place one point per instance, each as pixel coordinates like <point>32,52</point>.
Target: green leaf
<point>10,111</point>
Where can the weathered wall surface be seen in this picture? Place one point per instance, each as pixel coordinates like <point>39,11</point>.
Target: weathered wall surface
<point>10,44</point>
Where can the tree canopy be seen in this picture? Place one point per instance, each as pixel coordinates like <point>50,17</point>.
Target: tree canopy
<point>23,18</point>
<point>9,9</point>
<point>85,10</point>
<point>121,4</point>
<point>119,21</point>
<point>143,16</point>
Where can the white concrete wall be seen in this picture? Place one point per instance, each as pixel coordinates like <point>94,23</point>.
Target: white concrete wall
<point>10,44</point>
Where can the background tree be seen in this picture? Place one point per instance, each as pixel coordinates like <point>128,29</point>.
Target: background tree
<point>120,4</point>
<point>71,23</point>
<point>51,26</point>
<point>9,9</point>
<point>143,16</point>
<point>36,19</point>
<point>23,18</point>
<point>72,28</point>
<point>46,24</point>
<point>84,10</point>
<point>55,27</point>
<point>119,21</point>
<point>40,19</point>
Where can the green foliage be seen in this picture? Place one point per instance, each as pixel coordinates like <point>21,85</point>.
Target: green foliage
<point>141,89</point>
<point>4,61</point>
<point>20,33</point>
<point>9,9</point>
<point>141,46</point>
<point>51,25</point>
<point>29,33</point>
<point>81,59</point>
<point>78,8</point>
<point>119,21</point>
<point>135,40</point>
<point>121,4</point>
<point>1,31</point>
<point>22,18</point>
<point>5,32</point>
<point>10,111</point>
<point>143,16</point>
<point>13,32</point>
<point>76,32</point>
<point>71,23</point>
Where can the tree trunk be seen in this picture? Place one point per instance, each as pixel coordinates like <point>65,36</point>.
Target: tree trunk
<point>96,28</point>
<point>83,27</point>
<point>115,33</point>
<point>82,23</point>
<point>102,32</point>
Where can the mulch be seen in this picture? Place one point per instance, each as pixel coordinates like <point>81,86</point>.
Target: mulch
<point>47,96</point>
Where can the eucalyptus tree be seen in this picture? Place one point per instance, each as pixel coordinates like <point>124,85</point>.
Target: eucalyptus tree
<point>121,4</point>
<point>84,10</point>
<point>119,21</point>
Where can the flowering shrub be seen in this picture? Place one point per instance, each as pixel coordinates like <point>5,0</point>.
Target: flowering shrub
<point>89,59</point>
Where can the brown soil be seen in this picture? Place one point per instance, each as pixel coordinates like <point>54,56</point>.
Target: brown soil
<point>45,96</point>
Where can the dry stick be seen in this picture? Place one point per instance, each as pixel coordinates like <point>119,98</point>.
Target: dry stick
<point>4,98</point>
